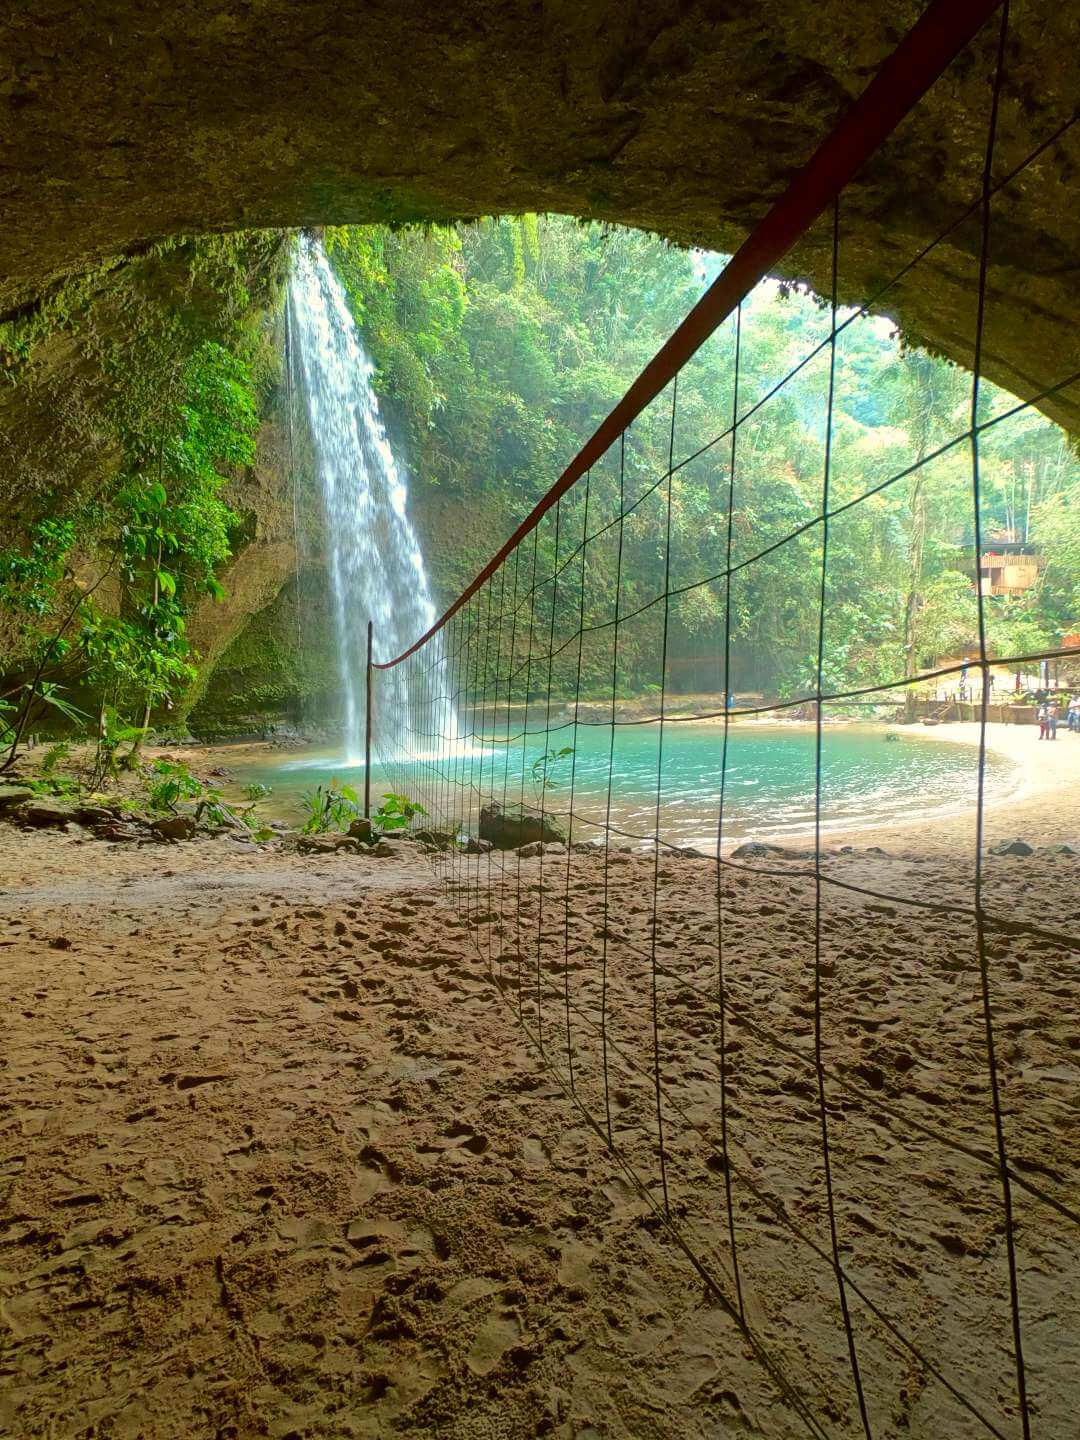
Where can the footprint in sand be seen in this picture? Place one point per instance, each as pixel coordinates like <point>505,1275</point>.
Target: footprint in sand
<point>374,1174</point>
<point>535,1153</point>
<point>499,1332</point>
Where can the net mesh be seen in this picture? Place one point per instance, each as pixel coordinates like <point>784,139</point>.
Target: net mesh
<point>740,1027</point>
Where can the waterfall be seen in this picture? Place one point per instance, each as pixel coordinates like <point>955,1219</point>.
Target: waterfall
<point>376,566</point>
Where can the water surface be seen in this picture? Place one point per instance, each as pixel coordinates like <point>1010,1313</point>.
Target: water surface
<point>768,783</point>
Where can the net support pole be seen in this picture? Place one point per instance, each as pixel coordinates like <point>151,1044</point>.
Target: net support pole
<point>367,725</point>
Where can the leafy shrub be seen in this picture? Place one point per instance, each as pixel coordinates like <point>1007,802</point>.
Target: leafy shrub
<point>395,813</point>
<point>174,782</point>
<point>334,807</point>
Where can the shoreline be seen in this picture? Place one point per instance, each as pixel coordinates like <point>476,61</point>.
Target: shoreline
<point>1039,773</point>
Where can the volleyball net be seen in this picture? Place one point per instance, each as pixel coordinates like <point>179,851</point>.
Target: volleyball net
<point>810,1067</point>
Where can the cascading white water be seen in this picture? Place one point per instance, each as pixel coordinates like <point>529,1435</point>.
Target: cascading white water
<point>375,561</point>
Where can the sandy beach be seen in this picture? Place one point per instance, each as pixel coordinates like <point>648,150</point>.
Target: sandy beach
<point>281,1153</point>
<point>1041,802</point>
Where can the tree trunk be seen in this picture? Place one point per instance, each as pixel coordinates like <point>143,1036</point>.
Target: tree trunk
<point>135,753</point>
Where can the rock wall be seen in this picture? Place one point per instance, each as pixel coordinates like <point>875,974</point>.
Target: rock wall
<point>87,372</point>
<point>682,116</point>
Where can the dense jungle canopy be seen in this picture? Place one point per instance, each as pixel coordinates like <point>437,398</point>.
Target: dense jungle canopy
<point>164,543</point>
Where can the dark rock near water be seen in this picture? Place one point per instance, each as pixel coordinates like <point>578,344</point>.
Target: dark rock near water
<point>472,846</point>
<point>117,830</point>
<point>509,827</point>
<point>553,847</point>
<point>327,844</point>
<point>1012,847</point>
<point>173,827</point>
<point>13,795</point>
<point>758,850</point>
<point>94,814</point>
<point>45,813</point>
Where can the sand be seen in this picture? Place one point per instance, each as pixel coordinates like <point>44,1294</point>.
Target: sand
<point>277,1156</point>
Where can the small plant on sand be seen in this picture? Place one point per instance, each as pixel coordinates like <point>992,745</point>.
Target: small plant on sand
<point>395,813</point>
<point>334,807</point>
<point>54,756</point>
<point>256,790</point>
<point>54,785</point>
<point>113,731</point>
<point>172,781</point>
<point>545,770</point>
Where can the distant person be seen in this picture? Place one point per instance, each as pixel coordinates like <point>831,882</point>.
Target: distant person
<point>1051,719</point>
<point>1072,715</point>
<point>1042,714</point>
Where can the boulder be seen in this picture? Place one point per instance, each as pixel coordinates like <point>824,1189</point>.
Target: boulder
<point>1060,849</point>
<point>117,830</point>
<point>437,839</point>
<point>327,844</point>
<point>44,813</point>
<point>173,827</point>
<point>472,846</point>
<point>509,827</point>
<point>383,850</point>
<point>1012,847</point>
<point>94,815</point>
<point>758,850</point>
<point>12,795</point>
<point>361,830</point>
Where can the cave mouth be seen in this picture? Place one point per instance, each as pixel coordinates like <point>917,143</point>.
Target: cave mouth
<point>276,1144</point>
<point>681,121</point>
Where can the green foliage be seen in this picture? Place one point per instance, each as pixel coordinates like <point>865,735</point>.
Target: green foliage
<point>499,348</point>
<point>28,579</point>
<point>336,806</point>
<point>54,756</point>
<point>395,813</point>
<point>174,351</point>
<point>54,785</point>
<point>545,770</point>
<point>52,696</point>
<point>113,731</point>
<point>172,781</point>
<point>333,807</point>
<point>256,790</point>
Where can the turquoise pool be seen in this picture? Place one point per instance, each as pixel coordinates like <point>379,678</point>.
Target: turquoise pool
<point>768,785</point>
